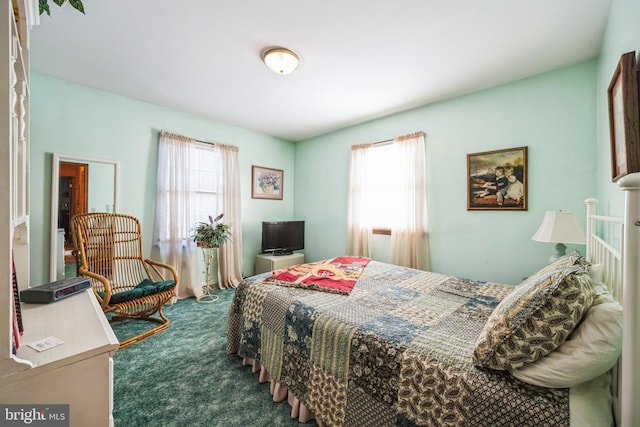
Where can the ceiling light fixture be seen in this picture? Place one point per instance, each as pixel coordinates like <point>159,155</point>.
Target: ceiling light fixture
<point>280,60</point>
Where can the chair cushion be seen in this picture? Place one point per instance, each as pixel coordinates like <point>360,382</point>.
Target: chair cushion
<point>144,288</point>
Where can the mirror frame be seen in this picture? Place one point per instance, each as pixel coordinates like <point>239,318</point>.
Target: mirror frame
<point>55,191</point>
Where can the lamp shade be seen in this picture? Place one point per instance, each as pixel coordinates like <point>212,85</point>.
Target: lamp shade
<point>281,60</point>
<point>559,227</point>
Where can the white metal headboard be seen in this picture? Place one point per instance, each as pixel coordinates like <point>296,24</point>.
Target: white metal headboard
<point>607,255</point>
<point>621,274</point>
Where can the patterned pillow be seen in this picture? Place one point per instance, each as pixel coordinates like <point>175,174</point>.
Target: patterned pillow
<point>591,350</point>
<point>564,261</point>
<point>536,317</point>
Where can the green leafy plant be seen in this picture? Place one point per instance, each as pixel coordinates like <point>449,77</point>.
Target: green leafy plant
<point>212,234</point>
<point>44,5</point>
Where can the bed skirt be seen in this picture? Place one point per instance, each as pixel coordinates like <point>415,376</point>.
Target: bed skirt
<point>280,392</point>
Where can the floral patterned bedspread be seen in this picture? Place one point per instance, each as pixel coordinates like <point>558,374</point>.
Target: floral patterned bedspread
<point>396,351</point>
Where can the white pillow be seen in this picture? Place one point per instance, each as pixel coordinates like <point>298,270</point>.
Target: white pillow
<point>596,272</point>
<point>590,403</point>
<point>591,350</point>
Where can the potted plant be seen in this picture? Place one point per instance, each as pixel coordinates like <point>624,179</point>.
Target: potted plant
<point>212,234</point>
<point>209,237</point>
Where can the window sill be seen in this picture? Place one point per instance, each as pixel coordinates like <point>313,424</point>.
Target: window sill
<point>383,231</point>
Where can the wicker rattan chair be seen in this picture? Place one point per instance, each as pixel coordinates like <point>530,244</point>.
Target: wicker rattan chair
<point>127,285</point>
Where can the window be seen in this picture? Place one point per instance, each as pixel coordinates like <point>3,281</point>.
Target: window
<point>205,176</point>
<point>382,178</point>
<point>387,195</point>
<point>196,180</point>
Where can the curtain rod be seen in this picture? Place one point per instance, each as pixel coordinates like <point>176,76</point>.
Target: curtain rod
<point>192,140</point>
<point>219,145</point>
<point>385,142</point>
<point>186,138</point>
<point>400,138</point>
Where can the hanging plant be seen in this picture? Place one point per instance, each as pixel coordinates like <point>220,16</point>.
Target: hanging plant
<point>44,5</point>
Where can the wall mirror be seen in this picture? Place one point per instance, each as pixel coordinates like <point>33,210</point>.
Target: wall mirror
<point>78,185</point>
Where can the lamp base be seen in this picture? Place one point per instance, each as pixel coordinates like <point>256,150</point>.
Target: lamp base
<point>561,250</point>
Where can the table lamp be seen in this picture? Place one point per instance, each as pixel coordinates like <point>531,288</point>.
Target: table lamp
<point>559,227</point>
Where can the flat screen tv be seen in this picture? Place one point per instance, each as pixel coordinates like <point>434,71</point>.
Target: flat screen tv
<point>282,237</point>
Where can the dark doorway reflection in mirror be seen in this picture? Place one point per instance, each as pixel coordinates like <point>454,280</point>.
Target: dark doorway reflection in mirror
<point>79,185</point>
<point>72,200</point>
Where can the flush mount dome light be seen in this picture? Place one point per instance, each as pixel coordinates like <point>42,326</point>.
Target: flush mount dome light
<point>280,60</point>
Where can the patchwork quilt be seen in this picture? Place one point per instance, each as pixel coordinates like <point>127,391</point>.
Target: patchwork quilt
<point>396,351</point>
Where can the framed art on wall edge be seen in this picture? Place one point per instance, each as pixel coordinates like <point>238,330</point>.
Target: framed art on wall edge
<point>497,180</point>
<point>624,118</point>
<point>266,183</point>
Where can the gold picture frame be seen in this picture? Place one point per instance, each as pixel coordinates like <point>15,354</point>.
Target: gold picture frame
<point>266,183</point>
<point>497,180</point>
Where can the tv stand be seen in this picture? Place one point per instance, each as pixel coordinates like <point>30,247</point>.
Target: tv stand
<point>270,262</point>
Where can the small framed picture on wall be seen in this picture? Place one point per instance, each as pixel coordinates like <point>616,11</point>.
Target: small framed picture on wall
<point>266,183</point>
<point>624,118</point>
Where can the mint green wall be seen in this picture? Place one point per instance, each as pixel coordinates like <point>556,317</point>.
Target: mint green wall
<point>72,119</point>
<point>553,114</point>
<point>622,35</point>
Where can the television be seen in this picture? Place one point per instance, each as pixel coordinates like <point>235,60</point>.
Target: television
<point>282,237</point>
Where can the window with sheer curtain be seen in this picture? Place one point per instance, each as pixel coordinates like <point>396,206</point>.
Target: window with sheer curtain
<point>196,180</point>
<point>387,191</point>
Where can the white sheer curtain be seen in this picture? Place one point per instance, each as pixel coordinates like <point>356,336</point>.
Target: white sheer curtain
<point>409,246</point>
<point>387,189</point>
<point>230,254</point>
<point>172,227</point>
<point>176,210</point>
<point>358,227</point>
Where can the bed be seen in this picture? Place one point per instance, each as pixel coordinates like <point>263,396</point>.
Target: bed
<point>409,347</point>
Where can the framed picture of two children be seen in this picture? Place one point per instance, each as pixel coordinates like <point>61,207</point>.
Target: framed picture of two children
<point>497,180</point>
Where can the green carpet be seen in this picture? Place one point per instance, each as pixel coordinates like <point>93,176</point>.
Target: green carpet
<point>183,376</point>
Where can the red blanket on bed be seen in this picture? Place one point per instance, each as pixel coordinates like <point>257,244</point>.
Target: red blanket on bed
<point>335,275</point>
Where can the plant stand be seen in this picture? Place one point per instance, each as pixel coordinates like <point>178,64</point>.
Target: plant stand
<point>210,258</point>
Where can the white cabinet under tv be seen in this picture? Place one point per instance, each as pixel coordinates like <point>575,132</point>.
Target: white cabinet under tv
<point>266,262</point>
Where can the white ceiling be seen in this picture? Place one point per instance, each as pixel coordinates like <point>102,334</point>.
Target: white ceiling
<point>361,59</point>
